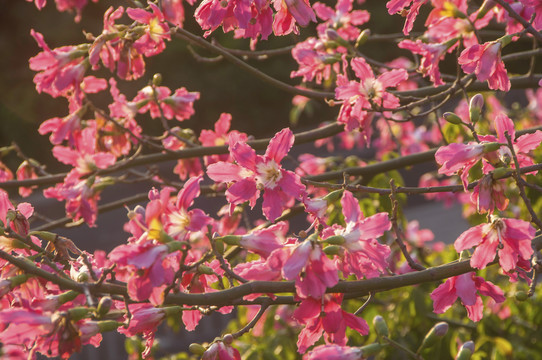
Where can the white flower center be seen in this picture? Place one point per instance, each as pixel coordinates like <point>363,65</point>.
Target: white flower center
<point>179,221</point>
<point>269,174</point>
<point>372,88</point>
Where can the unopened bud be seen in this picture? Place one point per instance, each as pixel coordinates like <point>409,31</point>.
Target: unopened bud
<point>196,349</point>
<point>521,296</point>
<point>219,246</point>
<point>45,235</point>
<point>82,277</point>
<point>333,196</point>
<point>104,305</point>
<point>371,349</point>
<point>484,9</point>
<point>335,240</point>
<point>334,36</point>
<point>434,335</point>
<point>452,118</point>
<point>108,325</point>
<point>499,173</point>
<point>380,326</point>
<point>505,40</point>
<point>230,239</point>
<point>466,351</point>
<point>78,313</point>
<point>332,250</point>
<point>362,38</point>
<point>475,107</point>
<point>302,234</point>
<point>157,79</point>
<point>489,147</point>
<point>204,269</point>
<point>227,339</point>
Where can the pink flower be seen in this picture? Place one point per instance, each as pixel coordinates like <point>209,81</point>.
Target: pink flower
<point>431,56</point>
<point>466,287</point>
<point>290,12</point>
<point>315,61</point>
<point>60,70</point>
<point>220,136</point>
<point>343,19</point>
<point>221,351</point>
<point>311,269</point>
<point>147,266</point>
<point>253,173</point>
<point>395,6</point>
<point>359,97</point>
<point>485,61</point>
<point>459,158</point>
<point>145,320</point>
<point>512,237</point>
<point>264,241</point>
<point>22,212</point>
<point>333,352</point>
<point>179,105</point>
<point>185,168</point>
<point>156,31</point>
<point>85,156</point>
<point>364,256</point>
<point>174,10</point>
<point>488,194</point>
<point>325,316</point>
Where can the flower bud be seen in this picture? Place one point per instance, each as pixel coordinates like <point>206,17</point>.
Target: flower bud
<point>230,239</point>
<point>485,8</point>
<point>104,305</point>
<point>371,349</point>
<point>335,240</point>
<point>362,38</point>
<point>333,196</point>
<point>521,296</point>
<point>157,79</point>
<point>380,326</point>
<point>219,246</point>
<point>489,147</point>
<point>206,270</point>
<point>196,349</point>
<point>227,339</point>
<point>452,118</point>
<point>500,173</point>
<point>466,351</point>
<point>334,36</point>
<point>475,107</point>
<point>332,250</point>
<point>108,325</point>
<point>78,313</point>
<point>45,235</point>
<point>434,335</point>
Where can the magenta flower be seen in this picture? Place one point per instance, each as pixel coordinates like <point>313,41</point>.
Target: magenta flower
<point>511,237</point>
<point>466,287</point>
<point>315,61</point>
<point>359,97</point>
<point>179,105</point>
<point>253,173</point>
<point>23,211</point>
<point>221,351</point>
<point>485,61</point>
<point>264,241</point>
<point>331,321</point>
<point>290,12</point>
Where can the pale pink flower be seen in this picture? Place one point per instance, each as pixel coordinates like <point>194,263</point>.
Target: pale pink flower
<point>253,173</point>
<point>511,237</point>
<point>485,61</point>
<point>334,352</point>
<point>459,158</point>
<point>290,12</point>
<point>466,287</point>
<point>220,136</point>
